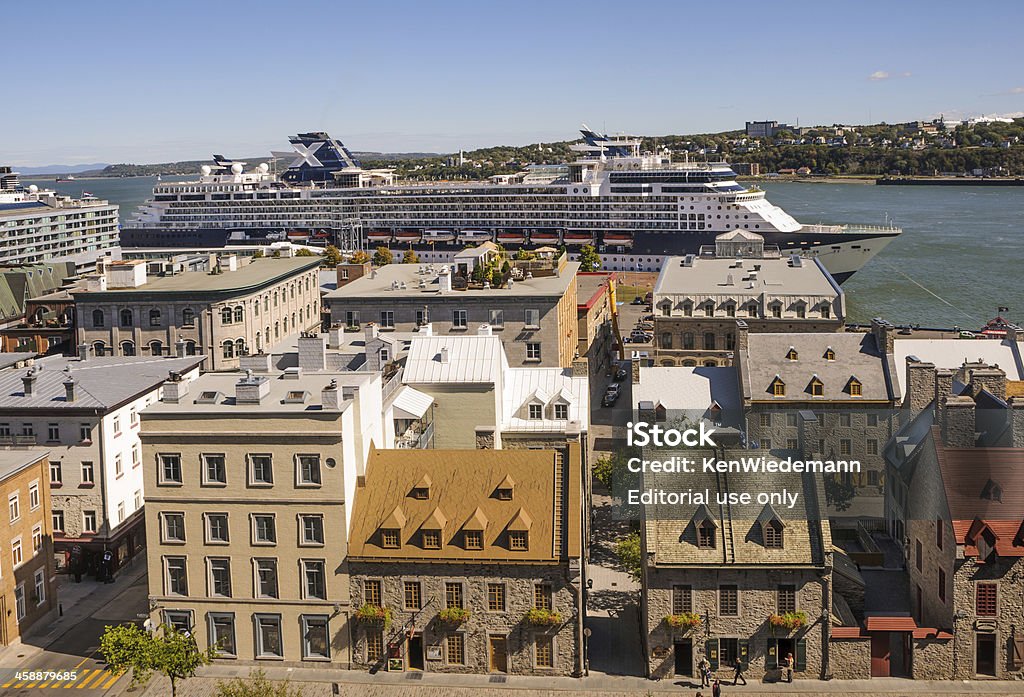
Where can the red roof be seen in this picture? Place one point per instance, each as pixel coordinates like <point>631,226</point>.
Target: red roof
<point>931,633</point>
<point>891,624</point>
<point>848,633</point>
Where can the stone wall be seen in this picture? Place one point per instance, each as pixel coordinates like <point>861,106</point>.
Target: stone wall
<point>850,659</point>
<point>933,659</point>
<point>519,582</point>
<point>1008,574</point>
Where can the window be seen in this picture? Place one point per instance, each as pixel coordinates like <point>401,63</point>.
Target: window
<point>219,577</point>
<point>389,538</point>
<point>16,553</point>
<point>460,319</point>
<point>97,318</point>
<point>544,651</point>
<point>154,318</point>
<point>138,499</point>
<point>473,539</point>
<point>845,419</point>
<point>57,517</point>
<point>314,574</point>
<point>311,529</point>
<point>136,455</point>
<point>264,530</point>
<point>261,470</point>
<point>84,433</point>
<point>175,576</point>
<point>918,555</point>
<point>496,318</point>
<point>518,540</point>
<point>786,599</point>
<point>216,527</point>
<point>222,633</point>
<point>766,443</point>
<point>452,594</point>
<point>88,521</point>
<point>372,593</point>
<point>728,651</point>
<point>455,645</point>
<point>315,640</point>
<point>826,312</point>
<point>239,314</point>
<point>431,539</point>
<point>173,527</point>
<point>37,538</point>
<point>542,596</point>
<point>170,468</point>
<point>709,341</point>
<point>855,387</point>
<point>413,595</point>
<point>53,433</point>
<point>375,645</point>
<point>14,507</point>
<point>266,578</point>
<point>19,601</point>
<point>845,446</point>
<point>792,444</point>
<point>533,351</point>
<point>351,318</point>
<point>228,349</point>
<point>536,411</point>
<point>817,388</point>
<point>706,535</point>
<point>532,318</point>
<point>308,468</point>
<point>268,636</point>
<point>496,597</point>
<point>682,599</point>
<point>688,340</point>
<point>39,578</point>
<point>126,318</point>
<point>214,469</point>
<point>985,595</point>
<point>225,315</point>
<point>942,586</point>
<point>773,534</point>
<point>188,317</point>
<point>118,465</point>
<point>778,388</point>
<point>872,446</point>
<point>127,348</point>
<point>938,533</point>
<point>561,412</point>
<point>766,419</point>
<point>792,419</point>
<point>28,430</point>
<point>421,318</point>
<point>387,319</point>
<point>728,601</point>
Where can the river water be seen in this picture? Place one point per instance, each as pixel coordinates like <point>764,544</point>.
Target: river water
<point>960,257</point>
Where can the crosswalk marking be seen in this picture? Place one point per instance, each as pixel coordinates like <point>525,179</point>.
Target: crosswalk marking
<point>114,678</point>
<point>93,681</point>
<point>69,683</point>
<point>88,679</point>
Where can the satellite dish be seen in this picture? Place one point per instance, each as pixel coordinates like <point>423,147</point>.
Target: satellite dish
<point>205,170</point>
<point>264,168</point>
<point>33,189</point>
<point>236,168</point>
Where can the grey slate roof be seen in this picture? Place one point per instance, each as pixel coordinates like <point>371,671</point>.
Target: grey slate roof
<point>100,382</point>
<point>13,461</point>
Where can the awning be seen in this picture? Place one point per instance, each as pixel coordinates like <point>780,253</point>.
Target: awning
<point>891,624</point>
<point>411,403</point>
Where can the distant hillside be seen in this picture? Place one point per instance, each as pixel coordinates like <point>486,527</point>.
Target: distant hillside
<point>59,169</point>
<point>192,166</point>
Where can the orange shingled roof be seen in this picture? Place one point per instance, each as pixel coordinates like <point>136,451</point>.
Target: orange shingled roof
<point>891,624</point>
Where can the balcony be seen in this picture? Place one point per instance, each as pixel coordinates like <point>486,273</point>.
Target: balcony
<point>417,436</point>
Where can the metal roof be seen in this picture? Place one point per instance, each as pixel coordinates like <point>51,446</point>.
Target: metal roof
<point>470,358</point>
<point>410,403</point>
<point>953,353</point>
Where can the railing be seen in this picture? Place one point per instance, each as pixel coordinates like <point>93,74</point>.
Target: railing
<point>415,439</point>
<point>890,229</point>
<point>392,383</point>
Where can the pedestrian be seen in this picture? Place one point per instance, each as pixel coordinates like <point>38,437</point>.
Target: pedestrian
<point>704,668</point>
<point>787,667</point>
<point>739,673</point>
<point>716,689</point>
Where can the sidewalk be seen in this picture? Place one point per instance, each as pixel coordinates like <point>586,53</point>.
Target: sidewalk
<point>320,683</point>
<point>79,601</point>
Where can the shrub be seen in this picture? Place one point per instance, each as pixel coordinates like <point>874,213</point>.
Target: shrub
<point>454,615</point>
<point>546,618</point>
<point>686,620</point>
<point>375,614</point>
<point>789,621</point>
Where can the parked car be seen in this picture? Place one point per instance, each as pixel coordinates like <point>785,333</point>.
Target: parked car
<point>640,337</point>
<point>611,395</point>
<point>621,374</point>
<point>646,326</point>
<point>637,301</point>
<point>647,318</point>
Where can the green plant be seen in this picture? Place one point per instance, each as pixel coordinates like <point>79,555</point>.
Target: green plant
<point>497,278</point>
<point>382,257</point>
<point>789,621</point>
<point>543,618</point>
<point>360,257</point>
<point>257,685</point>
<point>410,257</point>
<point>589,260</point>
<point>685,620</point>
<point>628,551</point>
<point>454,615</point>
<point>305,252</point>
<point>332,256</point>
<point>167,651</point>
<point>374,614</point>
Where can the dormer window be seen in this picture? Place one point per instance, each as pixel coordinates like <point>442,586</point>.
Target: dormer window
<point>706,535</point>
<point>773,534</point>
<point>473,539</point>
<point>503,492</point>
<point>421,491</point>
<point>535,411</point>
<point>854,387</point>
<point>791,354</point>
<point>518,540</point>
<point>389,538</point>
<point>431,539</point>
<point>826,313</point>
<point>992,491</point>
<point>777,387</point>
<point>817,387</point>
<point>829,355</point>
<point>561,412</point>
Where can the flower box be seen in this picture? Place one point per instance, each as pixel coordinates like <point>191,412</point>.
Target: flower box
<point>687,620</point>
<point>454,615</point>
<point>543,618</point>
<point>374,614</point>
<point>790,621</point>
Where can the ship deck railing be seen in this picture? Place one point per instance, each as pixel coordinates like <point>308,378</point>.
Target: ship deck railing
<point>819,227</point>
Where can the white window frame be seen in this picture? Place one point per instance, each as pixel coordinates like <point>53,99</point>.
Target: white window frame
<point>250,468</point>
<point>303,540</point>
<point>207,528</point>
<point>260,650</point>
<point>254,527</point>
<point>14,507</point>
<point>86,515</point>
<point>162,469</point>
<point>204,462</point>
<point>39,581</point>
<point>299,481</point>
<point>307,655</point>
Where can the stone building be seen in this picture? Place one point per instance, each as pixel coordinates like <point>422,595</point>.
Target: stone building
<point>85,412</point>
<point>822,395</point>
<point>36,313</point>
<point>746,582</point>
<point>596,314</point>
<point>469,562</point>
<point>28,594</point>
<point>241,307</point>
<point>249,483</point>
<point>698,299</point>
<point>535,314</point>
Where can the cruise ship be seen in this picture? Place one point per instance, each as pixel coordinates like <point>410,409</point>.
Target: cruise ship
<point>41,225</point>
<point>636,208</point>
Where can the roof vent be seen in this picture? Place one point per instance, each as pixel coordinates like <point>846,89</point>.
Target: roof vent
<point>444,354</point>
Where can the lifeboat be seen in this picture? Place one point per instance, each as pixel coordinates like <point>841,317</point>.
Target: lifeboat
<point>578,238</point>
<point>618,239</point>
<point>474,236</point>
<point>544,236</point>
<point>379,235</point>
<point>511,236</point>
<point>408,236</point>
<point>438,236</point>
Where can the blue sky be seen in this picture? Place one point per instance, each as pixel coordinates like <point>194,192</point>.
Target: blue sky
<point>157,81</point>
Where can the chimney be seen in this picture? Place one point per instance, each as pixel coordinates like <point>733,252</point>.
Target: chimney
<point>251,389</point>
<point>634,368</point>
<point>370,332</point>
<point>444,354</point>
<point>179,348</point>
<point>312,351</point>
<point>580,367</point>
<point>83,352</point>
<point>427,329</point>
<point>922,385</point>
<point>958,424</point>
<point>350,392</point>
<point>484,330</point>
<point>1016,405</point>
<point>256,362</point>
<point>175,388</point>
<point>29,381</point>
<point>335,335</point>
<point>444,280</point>
<point>885,335</point>
<point>988,378</point>
<point>742,337</point>
<point>330,396</point>
<point>69,390</point>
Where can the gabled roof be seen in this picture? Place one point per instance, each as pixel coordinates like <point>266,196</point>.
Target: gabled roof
<point>768,514</point>
<point>435,521</point>
<point>521,521</point>
<point>477,521</point>
<point>395,521</point>
<point>548,385</point>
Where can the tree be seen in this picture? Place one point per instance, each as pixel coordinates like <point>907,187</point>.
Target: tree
<point>359,257</point>
<point>332,256</point>
<point>628,551</point>
<point>258,254</point>
<point>256,686</point>
<point>524,255</point>
<point>608,469</point>
<point>497,278</point>
<point>167,651</point>
<point>410,257</point>
<point>589,260</point>
<point>305,252</point>
<point>382,257</point>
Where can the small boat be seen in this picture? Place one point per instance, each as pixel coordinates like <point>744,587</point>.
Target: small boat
<point>511,236</point>
<point>379,235</point>
<point>548,236</point>
<point>68,178</point>
<point>618,239</point>
<point>578,238</point>
<point>408,235</point>
<point>474,236</point>
<point>438,236</point>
